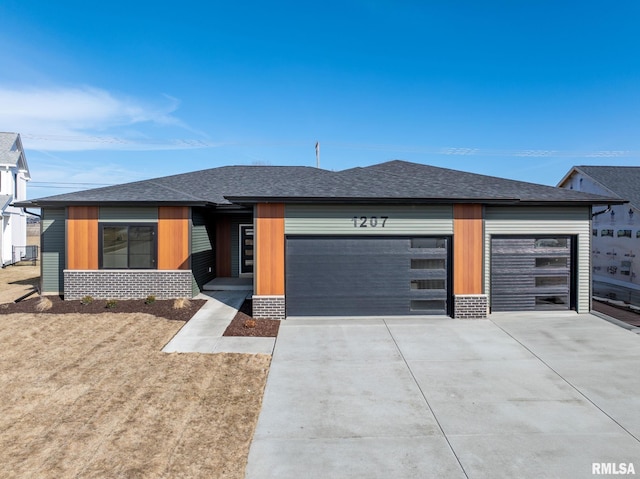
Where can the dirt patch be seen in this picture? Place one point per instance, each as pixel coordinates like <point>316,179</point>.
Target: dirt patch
<point>243,324</point>
<point>17,280</point>
<point>93,396</point>
<point>621,313</point>
<point>160,308</point>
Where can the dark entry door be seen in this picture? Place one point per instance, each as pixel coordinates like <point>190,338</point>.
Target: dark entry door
<point>246,249</point>
<point>532,273</point>
<point>366,276</point>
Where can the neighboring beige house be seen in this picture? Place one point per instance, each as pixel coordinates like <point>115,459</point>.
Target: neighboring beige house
<point>14,174</point>
<point>615,241</point>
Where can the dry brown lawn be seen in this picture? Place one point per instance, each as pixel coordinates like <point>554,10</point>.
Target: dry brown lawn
<point>93,396</point>
<point>17,280</point>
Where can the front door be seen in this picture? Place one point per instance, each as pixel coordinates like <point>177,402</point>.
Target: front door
<point>246,249</point>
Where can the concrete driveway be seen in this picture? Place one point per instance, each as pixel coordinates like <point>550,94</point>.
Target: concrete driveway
<point>519,395</point>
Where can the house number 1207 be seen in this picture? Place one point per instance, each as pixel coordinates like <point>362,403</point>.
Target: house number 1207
<point>372,221</point>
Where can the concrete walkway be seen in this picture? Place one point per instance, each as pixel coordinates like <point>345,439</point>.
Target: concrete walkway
<point>203,332</point>
<point>519,395</point>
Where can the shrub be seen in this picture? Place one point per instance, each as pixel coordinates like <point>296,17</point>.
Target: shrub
<point>111,304</point>
<point>86,300</point>
<point>181,303</point>
<point>150,299</point>
<point>44,304</point>
<point>249,323</point>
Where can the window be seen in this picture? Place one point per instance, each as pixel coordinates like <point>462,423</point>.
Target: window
<point>427,284</point>
<point>594,232</point>
<point>127,246</point>
<point>606,233</point>
<point>624,233</point>
<point>428,243</point>
<point>550,243</point>
<point>435,263</point>
<point>542,281</point>
<point>551,262</point>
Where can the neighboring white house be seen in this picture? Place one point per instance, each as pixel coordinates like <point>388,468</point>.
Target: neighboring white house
<point>14,174</point>
<point>615,241</point>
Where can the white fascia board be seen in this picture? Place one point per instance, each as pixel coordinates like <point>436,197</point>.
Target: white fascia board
<point>567,176</point>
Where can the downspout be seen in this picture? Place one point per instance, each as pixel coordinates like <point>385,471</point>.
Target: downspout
<point>597,213</point>
<point>31,213</point>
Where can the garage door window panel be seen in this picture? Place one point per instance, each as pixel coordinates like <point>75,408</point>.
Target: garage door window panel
<point>428,263</point>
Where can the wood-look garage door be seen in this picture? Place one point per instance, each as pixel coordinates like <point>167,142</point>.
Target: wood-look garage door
<point>532,273</point>
<point>366,276</point>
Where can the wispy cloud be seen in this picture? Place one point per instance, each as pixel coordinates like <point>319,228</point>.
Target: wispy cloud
<point>87,118</point>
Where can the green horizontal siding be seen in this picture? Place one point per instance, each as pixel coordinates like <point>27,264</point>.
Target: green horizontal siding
<point>202,249</point>
<point>339,220</point>
<point>130,215</point>
<point>515,220</point>
<point>53,250</point>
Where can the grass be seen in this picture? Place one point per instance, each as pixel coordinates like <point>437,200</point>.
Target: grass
<point>93,396</point>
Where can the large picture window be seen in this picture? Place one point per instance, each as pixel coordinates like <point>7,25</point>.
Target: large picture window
<point>127,246</point>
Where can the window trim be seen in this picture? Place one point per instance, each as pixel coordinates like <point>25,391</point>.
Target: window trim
<point>154,243</point>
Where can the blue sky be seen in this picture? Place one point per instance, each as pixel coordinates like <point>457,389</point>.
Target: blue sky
<point>108,92</point>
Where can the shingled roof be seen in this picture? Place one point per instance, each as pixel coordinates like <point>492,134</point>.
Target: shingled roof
<point>394,182</point>
<point>621,181</point>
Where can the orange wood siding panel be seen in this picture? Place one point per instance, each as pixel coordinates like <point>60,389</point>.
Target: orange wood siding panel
<point>82,237</point>
<point>173,237</point>
<point>269,249</point>
<point>223,247</point>
<point>467,249</point>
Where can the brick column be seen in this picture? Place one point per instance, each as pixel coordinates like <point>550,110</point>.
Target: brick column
<point>470,306</point>
<point>268,307</point>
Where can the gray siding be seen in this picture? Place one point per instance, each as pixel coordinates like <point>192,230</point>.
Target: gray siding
<point>339,220</point>
<point>202,249</point>
<point>53,250</point>
<point>128,214</point>
<point>515,220</point>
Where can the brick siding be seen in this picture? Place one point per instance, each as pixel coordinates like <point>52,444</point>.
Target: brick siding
<point>268,307</point>
<point>472,306</point>
<point>127,284</point>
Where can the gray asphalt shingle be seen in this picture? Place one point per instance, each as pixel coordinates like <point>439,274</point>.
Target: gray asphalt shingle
<point>390,181</point>
<point>622,181</point>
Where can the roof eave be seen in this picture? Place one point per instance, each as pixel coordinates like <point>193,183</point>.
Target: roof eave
<point>591,202</point>
<point>250,200</point>
<point>367,200</point>
<point>62,204</point>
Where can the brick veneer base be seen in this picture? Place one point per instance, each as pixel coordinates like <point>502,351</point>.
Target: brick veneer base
<point>268,307</point>
<point>470,306</point>
<point>127,284</point>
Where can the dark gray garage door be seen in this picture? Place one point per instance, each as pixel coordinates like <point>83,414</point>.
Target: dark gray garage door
<point>531,273</point>
<point>366,276</point>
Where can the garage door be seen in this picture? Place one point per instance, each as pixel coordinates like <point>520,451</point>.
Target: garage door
<point>531,273</point>
<point>366,276</point>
